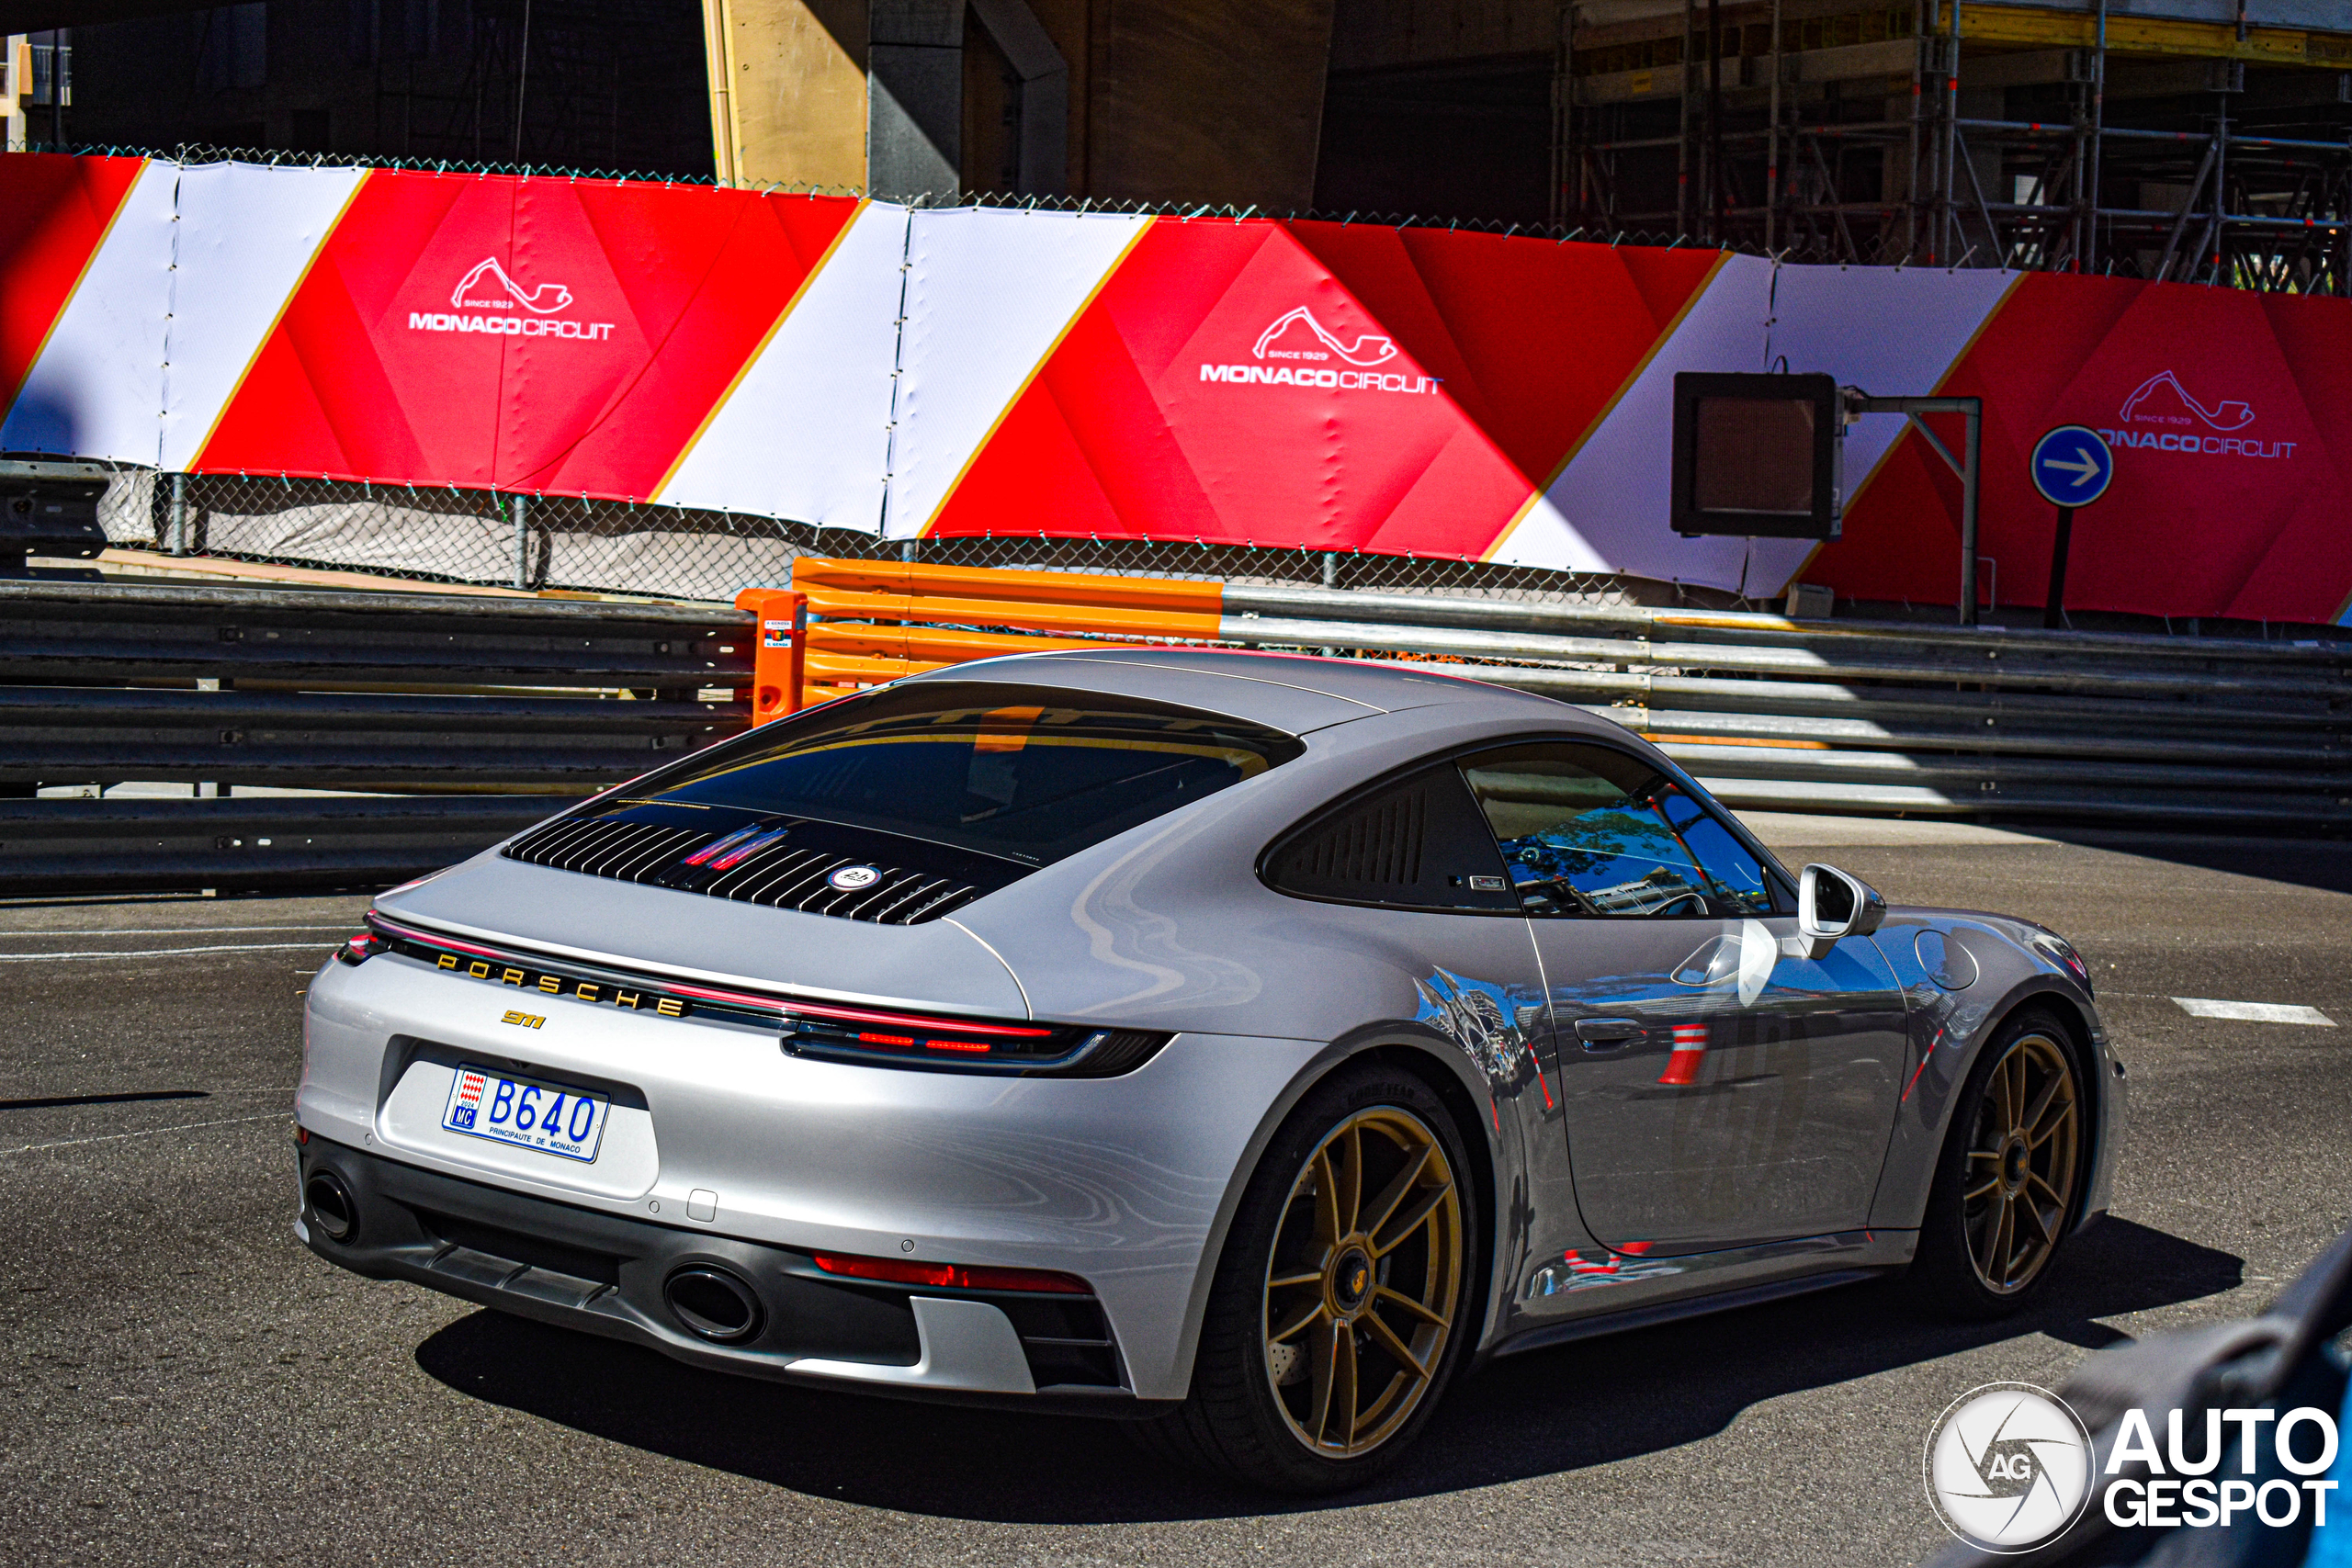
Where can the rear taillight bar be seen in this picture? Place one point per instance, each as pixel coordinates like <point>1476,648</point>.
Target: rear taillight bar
<point>951,1276</point>
<point>825,1031</point>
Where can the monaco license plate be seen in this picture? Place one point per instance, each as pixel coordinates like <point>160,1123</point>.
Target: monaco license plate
<point>486,1105</point>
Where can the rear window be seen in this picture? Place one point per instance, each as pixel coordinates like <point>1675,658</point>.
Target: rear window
<point>1030,773</point>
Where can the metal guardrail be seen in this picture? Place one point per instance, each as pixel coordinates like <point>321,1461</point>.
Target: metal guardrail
<point>1830,716</point>
<point>1695,626</point>
<point>75,633</point>
<point>1966,657</point>
<point>485,707</point>
<point>49,848</point>
<point>1772,713</point>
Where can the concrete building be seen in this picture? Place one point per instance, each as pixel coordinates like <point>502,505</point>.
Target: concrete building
<point>2210,138</point>
<point>35,82</point>
<point>611,84</point>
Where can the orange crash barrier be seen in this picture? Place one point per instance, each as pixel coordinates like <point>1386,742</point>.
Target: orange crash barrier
<point>844,624</point>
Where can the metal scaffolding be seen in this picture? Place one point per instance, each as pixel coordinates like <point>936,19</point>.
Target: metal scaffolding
<point>1860,136</point>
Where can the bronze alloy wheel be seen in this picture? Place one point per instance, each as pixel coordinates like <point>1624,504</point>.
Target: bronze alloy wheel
<point>2024,1158</point>
<point>1364,1282</point>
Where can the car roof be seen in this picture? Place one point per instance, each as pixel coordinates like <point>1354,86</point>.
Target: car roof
<point>1293,691</point>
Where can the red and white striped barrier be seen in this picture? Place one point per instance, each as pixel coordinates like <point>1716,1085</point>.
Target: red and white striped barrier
<point>1308,385</point>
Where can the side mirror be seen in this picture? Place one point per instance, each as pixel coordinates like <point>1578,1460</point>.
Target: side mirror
<point>1830,904</point>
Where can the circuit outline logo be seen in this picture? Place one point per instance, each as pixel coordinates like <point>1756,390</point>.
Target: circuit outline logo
<point>529,299</point>
<point>1366,353</point>
<point>2225,416</point>
<point>2007,1467</point>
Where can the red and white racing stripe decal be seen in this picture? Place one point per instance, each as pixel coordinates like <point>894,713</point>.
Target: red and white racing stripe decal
<point>1690,1045</point>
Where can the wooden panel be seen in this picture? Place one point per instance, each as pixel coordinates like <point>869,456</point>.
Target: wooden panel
<point>795,105</point>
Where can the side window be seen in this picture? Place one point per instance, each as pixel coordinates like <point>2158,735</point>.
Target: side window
<point>1590,830</point>
<point>1415,843</point>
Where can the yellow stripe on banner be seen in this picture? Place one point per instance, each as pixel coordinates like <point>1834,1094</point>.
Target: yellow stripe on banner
<point>1658,345</point>
<point>196,463</point>
<point>754,358</point>
<point>1034,370</point>
<point>1494,547</point>
<point>1942,382</point>
<point>88,262</point>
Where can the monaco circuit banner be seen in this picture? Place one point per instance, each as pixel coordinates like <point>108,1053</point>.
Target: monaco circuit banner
<point>970,371</point>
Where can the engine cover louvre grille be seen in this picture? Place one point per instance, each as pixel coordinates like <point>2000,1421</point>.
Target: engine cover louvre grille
<point>767,862</point>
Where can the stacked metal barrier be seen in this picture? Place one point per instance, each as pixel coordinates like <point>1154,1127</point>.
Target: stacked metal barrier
<point>461,716</point>
<point>484,706</point>
<point>1772,713</point>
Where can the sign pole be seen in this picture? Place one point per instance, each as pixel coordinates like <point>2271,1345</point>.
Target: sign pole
<point>2072,467</point>
<point>2054,613</point>
<point>1971,412</point>
<point>1973,438</point>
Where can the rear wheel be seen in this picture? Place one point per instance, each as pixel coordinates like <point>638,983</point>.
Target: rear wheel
<point>1336,1319</point>
<point>2008,1183</point>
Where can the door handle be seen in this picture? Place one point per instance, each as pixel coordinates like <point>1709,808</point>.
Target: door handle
<point>1608,1034</point>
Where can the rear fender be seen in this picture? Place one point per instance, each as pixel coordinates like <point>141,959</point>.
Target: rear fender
<point>1496,1149</point>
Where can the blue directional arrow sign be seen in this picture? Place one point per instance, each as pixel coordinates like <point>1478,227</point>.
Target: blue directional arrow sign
<point>2071,466</point>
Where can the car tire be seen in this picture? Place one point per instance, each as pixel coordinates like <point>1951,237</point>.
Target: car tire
<point>2008,1183</point>
<point>1390,1291</point>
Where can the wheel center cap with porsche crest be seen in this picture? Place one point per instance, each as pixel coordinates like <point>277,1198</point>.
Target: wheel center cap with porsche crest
<point>851,878</point>
<point>1352,1280</point>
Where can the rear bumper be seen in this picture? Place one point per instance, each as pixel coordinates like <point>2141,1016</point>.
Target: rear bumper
<point>604,1274</point>
<point>716,1132</point>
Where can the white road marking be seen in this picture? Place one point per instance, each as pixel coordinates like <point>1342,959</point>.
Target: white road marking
<point>166,951</point>
<point>2254,1012</point>
<point>148,1133</point>
<point>178,930</point>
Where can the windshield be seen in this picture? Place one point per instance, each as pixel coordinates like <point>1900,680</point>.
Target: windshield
<point>1030,773</point>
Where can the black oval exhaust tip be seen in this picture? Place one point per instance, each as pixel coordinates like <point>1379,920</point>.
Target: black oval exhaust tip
<point>333,1209</point>
<point>713,1304</point>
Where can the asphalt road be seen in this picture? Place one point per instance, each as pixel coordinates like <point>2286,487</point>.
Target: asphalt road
<point>184,1383</point>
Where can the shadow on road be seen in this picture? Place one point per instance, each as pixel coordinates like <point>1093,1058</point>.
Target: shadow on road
<point>1552,1411</point>
<point>2323,864</point>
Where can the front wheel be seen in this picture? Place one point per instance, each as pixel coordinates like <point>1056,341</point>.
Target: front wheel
<point>2008,1182</point>
<point>1336,1319</point>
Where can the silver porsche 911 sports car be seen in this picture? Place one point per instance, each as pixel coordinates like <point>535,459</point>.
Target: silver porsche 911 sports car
<point>1242,1044</point>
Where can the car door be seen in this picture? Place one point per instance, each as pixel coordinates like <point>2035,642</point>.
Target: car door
<point>1718,1086</point>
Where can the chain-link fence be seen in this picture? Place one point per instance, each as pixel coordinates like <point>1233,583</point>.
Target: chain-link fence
<point>544,542</point>
<point>2290,246</point>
